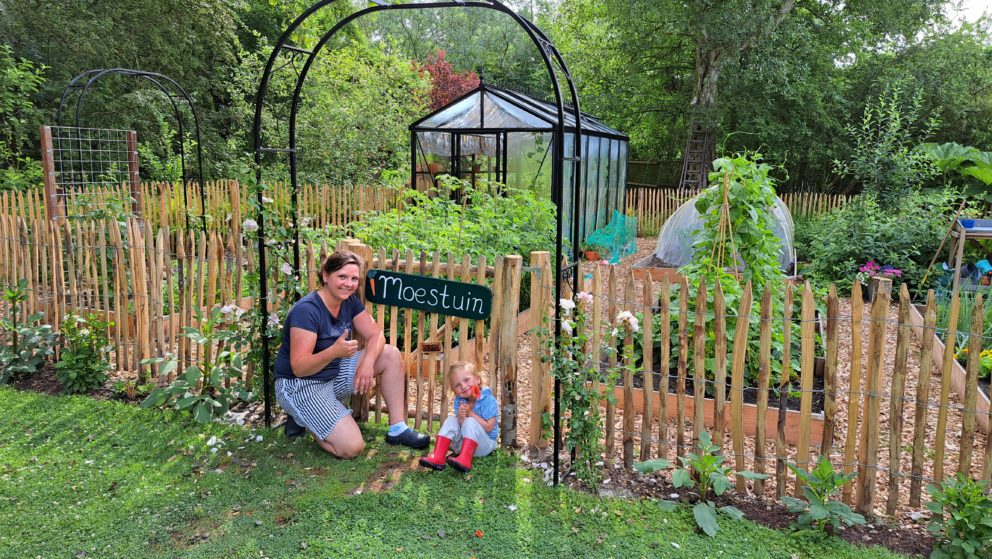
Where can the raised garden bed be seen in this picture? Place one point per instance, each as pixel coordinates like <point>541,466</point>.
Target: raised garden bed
<point>958,374</point>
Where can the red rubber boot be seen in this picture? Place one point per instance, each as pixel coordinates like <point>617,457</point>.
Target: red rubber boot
<point>435,460</point>
<point>463,462</point>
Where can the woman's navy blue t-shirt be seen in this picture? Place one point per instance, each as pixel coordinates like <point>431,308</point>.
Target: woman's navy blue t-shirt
<point>311,314</point>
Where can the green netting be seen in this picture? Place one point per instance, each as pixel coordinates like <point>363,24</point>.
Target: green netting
<point>618,237</point>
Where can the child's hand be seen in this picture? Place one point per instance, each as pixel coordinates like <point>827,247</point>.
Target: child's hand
<point>462,411</point>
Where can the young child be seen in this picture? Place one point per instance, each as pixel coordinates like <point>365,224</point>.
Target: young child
<point>473,428</point>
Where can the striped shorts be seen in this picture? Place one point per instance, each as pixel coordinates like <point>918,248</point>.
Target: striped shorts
<point>316,404</point>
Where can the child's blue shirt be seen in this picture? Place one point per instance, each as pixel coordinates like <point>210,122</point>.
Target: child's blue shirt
<point>485,407</point>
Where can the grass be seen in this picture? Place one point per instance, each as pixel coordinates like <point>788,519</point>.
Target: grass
<point>87,478</point>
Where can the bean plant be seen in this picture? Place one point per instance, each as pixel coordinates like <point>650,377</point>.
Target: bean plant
<point>962,522</point>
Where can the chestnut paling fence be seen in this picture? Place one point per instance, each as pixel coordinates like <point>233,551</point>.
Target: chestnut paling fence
<point>652,206</point>
<point>889,415</point>
<point>227,203</point>
<point>896,422</point>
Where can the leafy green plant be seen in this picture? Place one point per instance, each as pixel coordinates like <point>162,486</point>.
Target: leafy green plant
<point>82,364</point>
<point>208,389</point>
<point>966,161</point>
<point>819,486</point>
<point>130,389</point>
<point>27,342</point>
<point>963,518</point>
<point>22,79</point>
<point>884,161</point>
<point>905,235</point>
<point>488,219</point>
<point>737,214</point>
<point>706,474</point>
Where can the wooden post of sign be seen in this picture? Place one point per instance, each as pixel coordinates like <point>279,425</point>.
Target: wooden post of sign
<point>506,360</point>
<point>54,204</point>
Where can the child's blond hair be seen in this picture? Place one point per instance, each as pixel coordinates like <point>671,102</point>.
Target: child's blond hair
<point>459,366</point>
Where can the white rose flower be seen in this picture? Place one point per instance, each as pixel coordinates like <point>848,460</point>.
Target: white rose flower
<point>566,325</point>
<point>287,269</point>
<point>228,308</point>
<point>267,200</point>
<point>585,297</point>
<point>249,225</point>
<point>566,305</point>
<point>274,321</point>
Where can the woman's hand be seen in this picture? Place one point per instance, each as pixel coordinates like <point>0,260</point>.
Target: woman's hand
<point>344,347</point>
<point>364,377</point>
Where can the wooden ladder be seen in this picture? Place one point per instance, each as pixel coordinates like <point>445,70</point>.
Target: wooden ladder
<point>698,156</point>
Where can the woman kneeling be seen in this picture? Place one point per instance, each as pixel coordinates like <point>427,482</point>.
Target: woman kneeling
<point>319,364</point>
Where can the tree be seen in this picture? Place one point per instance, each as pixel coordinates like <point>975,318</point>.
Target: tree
<point>21,79</point>
<point>447,84</point>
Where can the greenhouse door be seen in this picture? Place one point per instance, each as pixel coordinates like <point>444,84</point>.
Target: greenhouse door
<point>479,157</point>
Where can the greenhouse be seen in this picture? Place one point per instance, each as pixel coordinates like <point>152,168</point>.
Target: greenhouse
<point>501,135</point>
<point>675,240</point>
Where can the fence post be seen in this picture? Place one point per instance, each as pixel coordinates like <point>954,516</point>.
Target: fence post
<point>52,208</point>
<point>868,456</point>
<point>506,357</point>
<point>540,287</point>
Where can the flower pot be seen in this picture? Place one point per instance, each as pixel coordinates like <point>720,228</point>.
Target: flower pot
<point>967,223</point>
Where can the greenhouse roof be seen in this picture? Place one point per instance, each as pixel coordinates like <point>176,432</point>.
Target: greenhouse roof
<point>492,108</point>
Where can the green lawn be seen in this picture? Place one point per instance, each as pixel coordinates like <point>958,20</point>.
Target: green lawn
<point>80,477</point>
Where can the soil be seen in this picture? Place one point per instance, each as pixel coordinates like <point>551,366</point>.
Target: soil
<point>43,381</point>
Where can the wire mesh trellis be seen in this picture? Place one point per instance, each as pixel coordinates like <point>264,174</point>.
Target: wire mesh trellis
<point>90,173</point>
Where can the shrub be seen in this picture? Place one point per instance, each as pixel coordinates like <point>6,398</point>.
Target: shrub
<point>905,236</point>
<point>963,525</point>
<point>26,342</point>
<point>883,159</point>
<point>819,486</point>
<point>82,366</point>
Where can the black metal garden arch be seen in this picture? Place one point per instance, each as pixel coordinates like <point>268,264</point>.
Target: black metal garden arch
<point>170,88</point>
<point>554,64</point>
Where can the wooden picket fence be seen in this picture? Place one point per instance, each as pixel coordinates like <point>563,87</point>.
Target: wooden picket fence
<point>653,206</point>
<point>666,421</point>
<point>227,203</point>
<point>154,281</point>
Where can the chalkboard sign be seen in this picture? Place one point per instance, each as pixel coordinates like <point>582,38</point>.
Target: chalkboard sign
<point>451,298</point>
